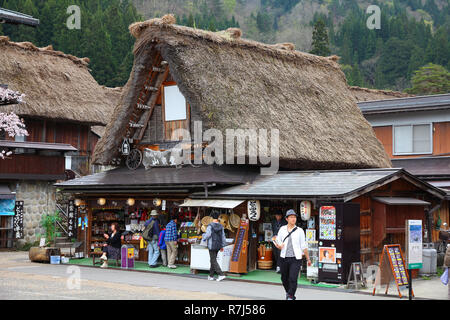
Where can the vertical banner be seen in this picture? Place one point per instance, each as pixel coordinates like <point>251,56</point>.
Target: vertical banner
<point>18,220</point>
<point>413,243</point>
<point>71,212</point>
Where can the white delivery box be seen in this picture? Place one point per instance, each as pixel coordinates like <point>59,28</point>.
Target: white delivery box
<point>200,257</point>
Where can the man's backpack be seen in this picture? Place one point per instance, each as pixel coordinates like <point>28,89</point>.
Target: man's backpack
<point>148,231</point>
<point>216,239</point>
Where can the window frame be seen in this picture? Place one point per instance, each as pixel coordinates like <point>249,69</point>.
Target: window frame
<point>395,153</point>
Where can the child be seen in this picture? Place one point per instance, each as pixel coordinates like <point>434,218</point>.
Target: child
<point>162,246</point>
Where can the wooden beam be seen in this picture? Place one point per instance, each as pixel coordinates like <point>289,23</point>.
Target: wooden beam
<point>159,81</point>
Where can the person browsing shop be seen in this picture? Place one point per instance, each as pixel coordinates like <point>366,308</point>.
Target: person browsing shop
<point>277,223</point>
<point>151,234</point>
<point>215,235</point>
<point>291,242</point>
<point>111,249</point>
<point>170,239</point>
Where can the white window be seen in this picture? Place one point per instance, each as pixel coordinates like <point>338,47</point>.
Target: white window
<point>413,139</point>
<point>174,104</point>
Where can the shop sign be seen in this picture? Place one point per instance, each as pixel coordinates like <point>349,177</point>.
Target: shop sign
<point>254,210</point>
<point>72,219</point>
<point>18,220</point>
<point>414,244</point>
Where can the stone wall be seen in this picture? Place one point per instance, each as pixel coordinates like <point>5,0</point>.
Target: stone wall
<point>39,198</point>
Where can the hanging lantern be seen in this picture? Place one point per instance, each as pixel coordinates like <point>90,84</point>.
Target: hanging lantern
<point>78,202</point>
<point>130,202</point>
<point>305,210</point>
<point>101,201</point>
<point>253,210</point>
<point>125,149</point>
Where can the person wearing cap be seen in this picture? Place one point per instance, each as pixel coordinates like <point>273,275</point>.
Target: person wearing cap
<point>277,223</point>
<point>291,242</point>
<point>152,248</point>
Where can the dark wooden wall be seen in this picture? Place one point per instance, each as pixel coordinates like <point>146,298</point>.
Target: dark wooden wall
<point>33,164</point>
<point>77,135</point>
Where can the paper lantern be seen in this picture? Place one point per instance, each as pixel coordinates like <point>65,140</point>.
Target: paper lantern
<point>130,202</point>
<point>254,210</point>
<point>101,201</point>
<point>305,210</point>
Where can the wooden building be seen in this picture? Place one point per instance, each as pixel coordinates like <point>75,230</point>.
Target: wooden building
<point>415,132</point>
<point>386,198</point>
<point>182,76</point>
<point>62,104</point>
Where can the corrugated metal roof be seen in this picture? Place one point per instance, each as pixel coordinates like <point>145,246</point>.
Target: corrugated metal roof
<point>14,17</point>
<point>422,103</point>
<point>314,184</point>
<point>426,166</point>
<point>163,176</point>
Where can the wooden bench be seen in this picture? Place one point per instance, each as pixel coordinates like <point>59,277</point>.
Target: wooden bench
<point>97,255</point>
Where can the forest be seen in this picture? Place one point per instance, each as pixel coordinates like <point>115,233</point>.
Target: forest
<point>413,33</point>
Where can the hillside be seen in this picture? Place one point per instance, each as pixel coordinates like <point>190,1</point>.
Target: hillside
<point>413,32</point>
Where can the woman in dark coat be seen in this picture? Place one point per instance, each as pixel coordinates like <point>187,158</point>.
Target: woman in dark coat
<point>111,250</point>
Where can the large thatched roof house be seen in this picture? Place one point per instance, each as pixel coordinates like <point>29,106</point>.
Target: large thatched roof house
<point>57,85</point>
<point>62,105</point>
<point>230,83</point>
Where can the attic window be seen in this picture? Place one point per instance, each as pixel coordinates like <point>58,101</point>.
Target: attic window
<point>174,104</point>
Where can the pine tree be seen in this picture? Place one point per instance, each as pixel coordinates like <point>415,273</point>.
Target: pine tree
<point>430,79</point>
<point>320,43</point>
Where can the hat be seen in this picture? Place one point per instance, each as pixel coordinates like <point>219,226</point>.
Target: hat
<point>235,220</point>
<point>290,212</point>
<point>154,213</point>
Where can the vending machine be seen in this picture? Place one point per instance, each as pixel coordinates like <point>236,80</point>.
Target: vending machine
<point>339,238</point>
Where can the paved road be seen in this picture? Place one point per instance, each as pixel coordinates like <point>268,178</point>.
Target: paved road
<point>21,279</point>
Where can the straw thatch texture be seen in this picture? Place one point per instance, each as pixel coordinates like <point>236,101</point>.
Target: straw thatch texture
<point>365,94</point>
<point>56,85</point>
<point>235,83</point>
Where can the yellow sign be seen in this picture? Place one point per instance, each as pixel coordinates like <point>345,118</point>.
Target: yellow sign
<point>130,253</point>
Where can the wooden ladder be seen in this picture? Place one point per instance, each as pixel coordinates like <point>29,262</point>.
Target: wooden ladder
<point>148,96</point>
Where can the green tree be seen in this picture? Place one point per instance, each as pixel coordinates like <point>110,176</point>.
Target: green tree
<point>430,79</point>
<point>320,42</point>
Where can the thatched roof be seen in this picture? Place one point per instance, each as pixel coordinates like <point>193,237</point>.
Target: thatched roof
<point>56,85</point>
<point>236,83</point>
<point>365,94</point>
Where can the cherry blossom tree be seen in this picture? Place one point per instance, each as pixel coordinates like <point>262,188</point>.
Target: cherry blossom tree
<point>10,123</point>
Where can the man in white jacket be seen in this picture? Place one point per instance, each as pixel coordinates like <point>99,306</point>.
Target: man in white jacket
<point>292,243</point>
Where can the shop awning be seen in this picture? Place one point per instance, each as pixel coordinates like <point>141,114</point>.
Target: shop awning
<point>225,204</point>
<point>398,201</point>
<point>5,193</point>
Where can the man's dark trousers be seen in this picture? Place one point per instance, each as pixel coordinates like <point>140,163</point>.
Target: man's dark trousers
<point>290,269</point>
